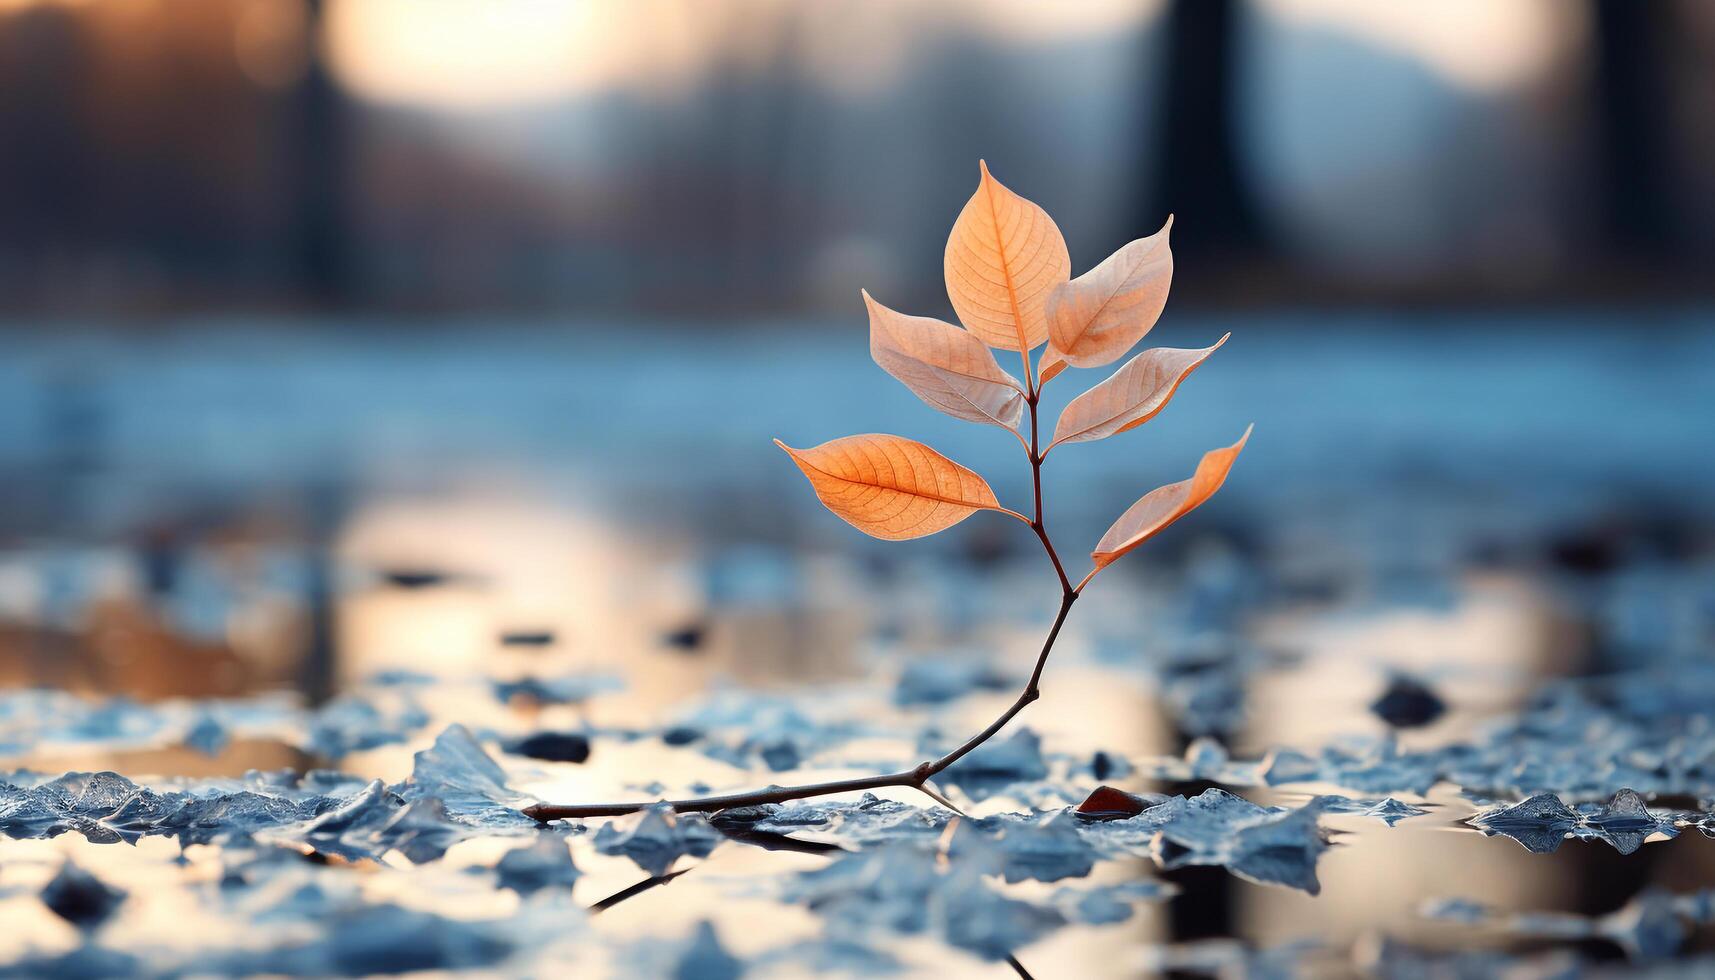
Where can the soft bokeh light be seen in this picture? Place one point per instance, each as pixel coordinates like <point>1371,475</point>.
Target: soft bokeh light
<point>507,52</point>
<point>1476,44</point>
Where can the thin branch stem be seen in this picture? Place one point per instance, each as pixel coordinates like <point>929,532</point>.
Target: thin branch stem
<point>916,778</point>
<point>1086,579</point>
<point>1036,485</point>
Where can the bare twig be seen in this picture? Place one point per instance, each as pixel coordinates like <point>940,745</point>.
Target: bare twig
<point>916,778</point>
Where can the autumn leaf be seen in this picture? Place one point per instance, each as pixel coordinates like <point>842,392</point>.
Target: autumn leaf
<point>943,365</point>
<point>1094,319</point>
<point>891,487</point>
<point>1164,505</point>
<point>1053,362</point>
<point>1133,396</point>
<point>1004,257</point>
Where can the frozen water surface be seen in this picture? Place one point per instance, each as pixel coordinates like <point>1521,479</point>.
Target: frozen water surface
<point>1428,691</point>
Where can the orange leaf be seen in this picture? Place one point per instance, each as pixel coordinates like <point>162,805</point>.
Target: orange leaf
<point>1004,257</point>
<point>891,487</point>
<point>1133,396</point>
<point>1097,317</point>
<point>946,367</point>
<point>1052,363</point>
<point>1164,505</point>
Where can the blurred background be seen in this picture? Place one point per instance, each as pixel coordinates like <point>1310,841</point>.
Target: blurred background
<point>340,336</point>
<point>760,158</point>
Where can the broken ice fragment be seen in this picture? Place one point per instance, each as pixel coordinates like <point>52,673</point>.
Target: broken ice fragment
<point>1030,849</point>
<point>1389,811</point>
<point>1108,904</point>
<point>657,837</point>
<point>469,783</point>
<point>544,863</point>
<point>900,887</point>
<point>1289,766</point>
<point>868,820</point>
<point>1543,821</point>
<point>998,765</point>
<point>1652,926</point>
<point>990,925</point>
<point>1264,844</point>
<point>421,831</point>
<point>1624,822</point>
<point>1539,823</point>
<point>1204,760</point>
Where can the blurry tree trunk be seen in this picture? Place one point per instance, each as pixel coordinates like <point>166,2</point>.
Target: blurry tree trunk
<point>1631,96</point>
<point>1194,148</point>
<point>320,233</point>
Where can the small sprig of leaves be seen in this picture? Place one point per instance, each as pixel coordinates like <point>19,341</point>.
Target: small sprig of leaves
<point>1009,279</point>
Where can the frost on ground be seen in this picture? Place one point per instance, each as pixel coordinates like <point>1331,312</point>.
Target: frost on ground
<point>1044,848</point>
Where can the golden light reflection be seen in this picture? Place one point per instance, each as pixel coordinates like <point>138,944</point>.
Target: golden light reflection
<point>469,54</point>
<point>1481,654</point>
<point>512,565</point>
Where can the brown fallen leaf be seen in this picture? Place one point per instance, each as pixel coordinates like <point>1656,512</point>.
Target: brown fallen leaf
<point>1108,803</point>
<point>943,365</point>
<point>893,488</point>
<point>1094,319</point>
<point>1164,505</point>
<point>1134,394</point>
<point>1004,257</point>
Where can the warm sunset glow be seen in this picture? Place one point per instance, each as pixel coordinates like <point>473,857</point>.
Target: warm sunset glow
<point>470,55</point>
<point>503,52</point>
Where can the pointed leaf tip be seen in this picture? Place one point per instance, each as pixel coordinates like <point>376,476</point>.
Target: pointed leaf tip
<point>952,371</point>
<point>1003,257</point>
<point>1134,394</point>
<point>891,487</point>
<point>1161,507</point>
<point>1094,319</point>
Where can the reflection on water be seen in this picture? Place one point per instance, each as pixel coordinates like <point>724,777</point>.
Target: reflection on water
<point>530,534</point>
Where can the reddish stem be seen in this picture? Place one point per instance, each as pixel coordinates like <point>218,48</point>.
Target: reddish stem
<point>915,778</point>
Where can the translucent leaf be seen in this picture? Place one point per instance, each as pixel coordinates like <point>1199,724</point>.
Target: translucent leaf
<point>947,367</point>
<point>1053,362</point>
<point>1004,257</point>
<point>1133,396</point>
<point>891,487</point>
<point>1094,319</point>
<point>1164,505</point>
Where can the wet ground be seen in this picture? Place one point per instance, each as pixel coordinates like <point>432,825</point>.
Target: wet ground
<point>1427,690</point>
